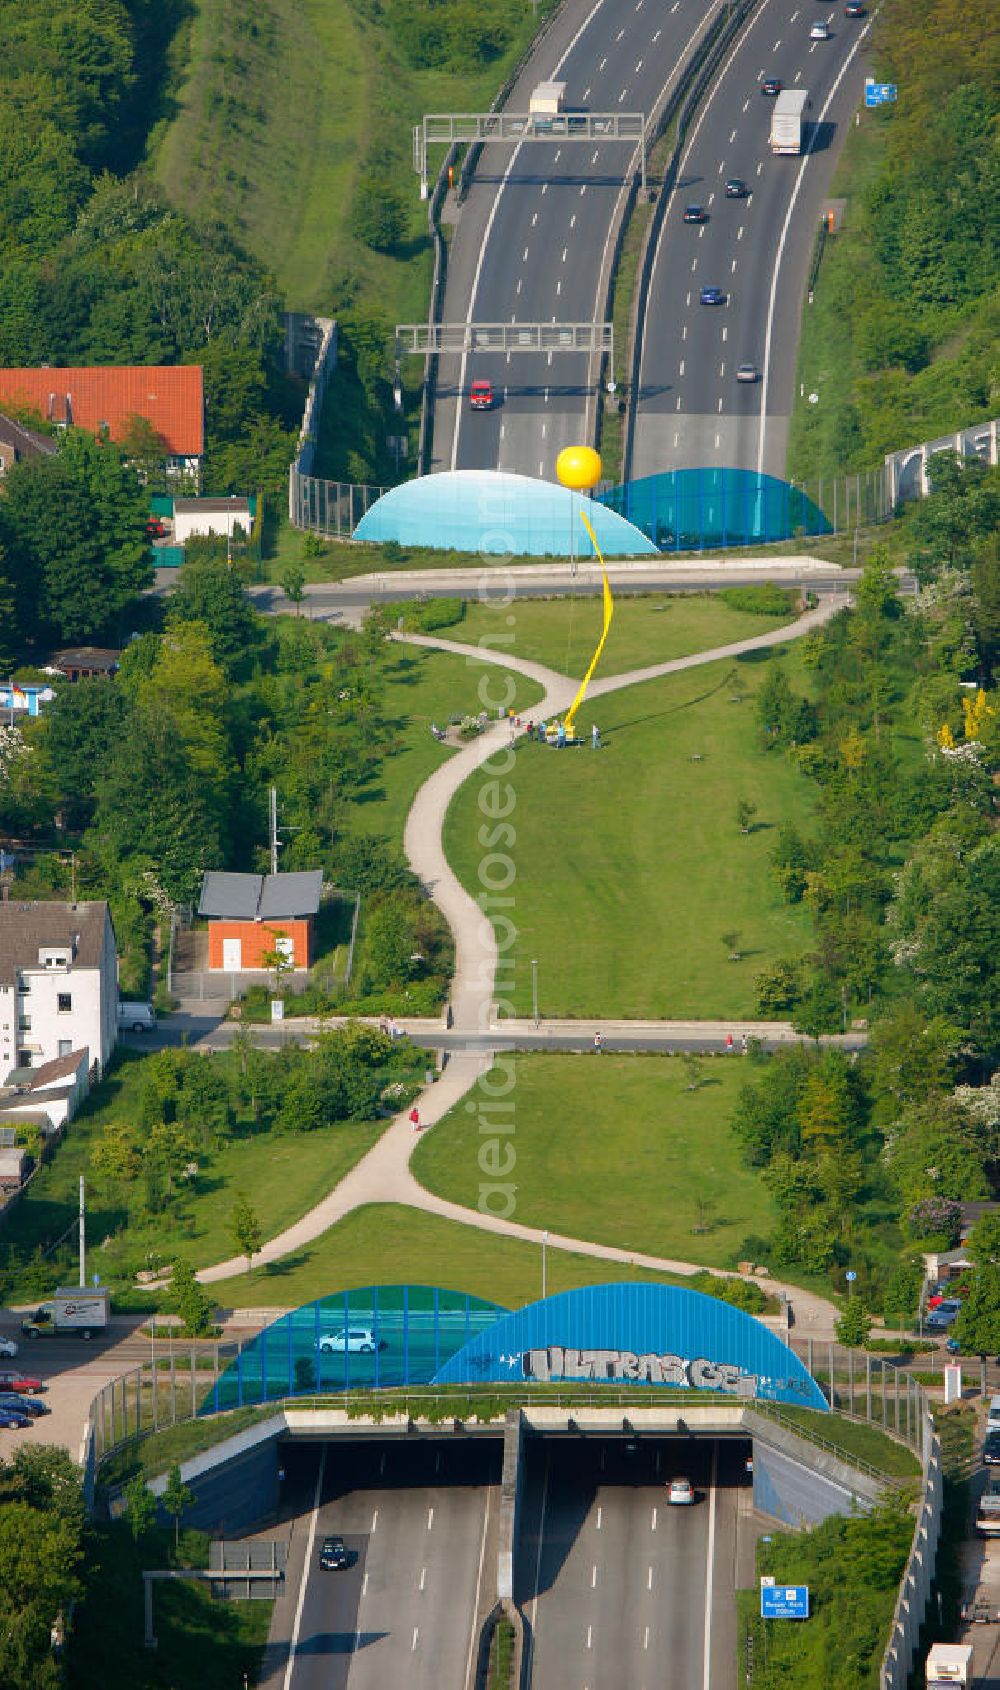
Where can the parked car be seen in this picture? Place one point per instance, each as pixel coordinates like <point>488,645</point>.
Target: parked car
<point>736,188</point>
<point>680,1493</point>
<point>772,86</point>
<point>941,1317</point>
<point>18,1383</point>
<point>136,1017</point>
<point>712,296</point>
<point>481,396</point>
<point>991,1449</point>
<point>156,528</point>
<point>8,1347</point>
<point>24,1405</point>
<point>12,1420</point>
<point>333,1556</point>
<point>695,214</point>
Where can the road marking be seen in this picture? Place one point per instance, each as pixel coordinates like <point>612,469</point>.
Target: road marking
<point>722,166</point>
<point>557,152</point>
<point>678,401</point>
<point>794,15</point>
<point>652,1524</point>
<point>784,236</point>
<point>545,187</point>
<point>676,439</point>
<point>300,1604</point>
<point>684,332</point>
<point>722,371</point>
<point>701,233</point>
<point>364,1585</point>
<point>656,37</point>
<point>645,1640</point>
<point>423,1577</point>
<point>502,430</point>
<point>689,296</point>
<point>733,270</point>
<point>544,427</point>
<point>777,44</point>
<point>798,74</point>
<point>430,1518</point>
<point>622,95</point>
<point>618,37</point>
<point>586,93</point>
<point>725,333</point>
<point>680,372</point>
<point>711,196</point>
<point>600,1511</point>
<point>583,190</point>
<point>720,406</point>
<point>674,7</point>
<point>602,64</point>
<point>374,1520</point>
<point>541,467</point>
<point>524,256</point>
<point>732,137</point>
<point>416,1634</point>
<point>707,1673</point>
<point>594,159</point>
<point>739,233</point>
<point>746,105</point>
<point>518,289</point>
<point>565,251</point>
<point>534,218</point>
<point>590,1637</point>
<point>572,221</point>
<point>638,67</point>
<point>649,1579</point>
<point>718,441</point>
<point>593,1576</point>
<point>474,1633</point>
<point>694,265</point>
<point>760,167</point>
<point>558,289</point>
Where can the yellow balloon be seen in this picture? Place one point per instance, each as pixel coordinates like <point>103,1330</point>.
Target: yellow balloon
<point>578,467</point>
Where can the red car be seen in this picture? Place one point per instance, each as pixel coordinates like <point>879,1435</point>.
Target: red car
<point>481,396</point>
<point>18,1382</point>
<point>156,528</point>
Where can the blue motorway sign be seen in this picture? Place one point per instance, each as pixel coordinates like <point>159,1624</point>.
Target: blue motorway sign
<point>880,93</point>
<point>784,1601</point>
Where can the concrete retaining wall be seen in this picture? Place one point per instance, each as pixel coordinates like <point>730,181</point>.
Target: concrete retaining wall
<point>915,1590</point>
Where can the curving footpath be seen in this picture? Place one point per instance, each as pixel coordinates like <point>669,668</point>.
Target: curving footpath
<point>383,1175</point>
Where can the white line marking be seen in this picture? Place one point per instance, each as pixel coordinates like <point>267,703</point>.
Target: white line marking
<point>600,1511</point>
<point>652,1523</point>
<point>678,401</point>
<point>618,37</point>
<point>746,105</point>
<point>534,218</point>
<point>725,333</point>
<point>557,153</point>
<point>374,1520</point>
<point>649,1579</point>
<point>518,289</point>
<point>300,1604</point>
<point>603,61</point>
<point>732,137</point>
<point>593,1576</point>
<point>689,296</point>
<point>583,190</point>
<point>656,37</point>
<point>760,167</point>
<point>684,332</point>
<point>645,1640</point>
<point>544,427</point>
<point>416,1634</point>
<point>565,251</point>
<point>590,1637</point>
<point>676,439</point>
<point>622,95</point>
<point>707,1673</point>
<point>364,1585</point>
<point>545,187</point>
<point>502,430</point>
<point>558,288</point>
<point>572,221</point>
<point>680,372</point>
<point>594,159</point>
<point>739,233</point>
<point>430,1518</point>
<point>694,265</point>
<point>720,407</point>
<point>733,270</point>
<point>781,245</point>
<point>722,371</point>
<point>524,256</point>
<point>474,1634</point>
<point>423,1577</point>
<point>638,67</point>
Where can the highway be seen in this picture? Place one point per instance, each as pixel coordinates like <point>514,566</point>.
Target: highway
<point>533,232</point>
<point>757,249</point>
<point>618,1587</point>
<point>418,1521</point>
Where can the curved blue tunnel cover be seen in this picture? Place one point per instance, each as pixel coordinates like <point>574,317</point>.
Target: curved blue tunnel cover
<point>620,1334</point>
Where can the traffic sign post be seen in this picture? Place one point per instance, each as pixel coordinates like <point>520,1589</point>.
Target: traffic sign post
<point>784,1601</point>
<point>879,93</point>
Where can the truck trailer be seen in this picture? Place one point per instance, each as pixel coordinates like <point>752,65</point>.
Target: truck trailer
<point>545,103</point>
<point>79,1309</point>
<point>788,120</point>
<point>949,1664</point>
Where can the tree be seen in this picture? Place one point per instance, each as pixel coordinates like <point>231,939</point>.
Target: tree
<point>245,1230</point>
<point>977,1324</point>
<point>731,941</point>
<point>176,1499</point>
<point>693,1071</point>
<point>853,1329</point>
<point>902,1294</point>
<point>292,580</point>
<point>378,213</point>
<point>140,1506</point>
<point>210,592</point>
<point>745,812</point>
<point>193,1304</point>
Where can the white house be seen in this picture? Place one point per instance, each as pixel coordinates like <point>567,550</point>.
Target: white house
<point>46,1097</point>
<point>211,516</point>
<point>58,983</point>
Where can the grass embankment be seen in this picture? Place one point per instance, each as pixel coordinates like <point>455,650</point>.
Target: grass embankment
<point>281,1176</point>
<point>424,687</point>
<point>386,1244</point>
<point>629,865</point>
<point>617,1150</point>
<point>856,1441</point>
<point>202,1643</point>
<point>653,629</point>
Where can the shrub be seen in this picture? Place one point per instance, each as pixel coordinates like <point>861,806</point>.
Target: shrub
<point>378,213</point>
<point>766,600</point>
<point>936,1217</point>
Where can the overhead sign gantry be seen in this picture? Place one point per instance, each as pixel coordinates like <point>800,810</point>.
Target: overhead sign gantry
<point>517,128</point>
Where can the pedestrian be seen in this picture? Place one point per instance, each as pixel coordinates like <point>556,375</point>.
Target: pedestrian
<point>561,735</point>
<point>595,737</point>
<point>393,1030</point>
<point>598,1042</point>
<point>415,1118</point>
<point>730,1046</point>
<point>744,1044</point>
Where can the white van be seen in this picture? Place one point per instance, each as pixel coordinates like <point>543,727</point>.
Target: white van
<point>136,1017</point>
<point>993,1417</point>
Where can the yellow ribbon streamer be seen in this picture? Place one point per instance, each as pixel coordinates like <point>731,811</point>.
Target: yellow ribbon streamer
<point>609,610</point>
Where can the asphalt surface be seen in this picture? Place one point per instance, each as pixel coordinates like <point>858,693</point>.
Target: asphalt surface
<point>621,1588</point>
<point>417,1522</point>
<point>692,411</point>
<point>532,234</point>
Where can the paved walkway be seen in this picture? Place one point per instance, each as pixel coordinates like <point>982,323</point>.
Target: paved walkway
<point>383,1175</point>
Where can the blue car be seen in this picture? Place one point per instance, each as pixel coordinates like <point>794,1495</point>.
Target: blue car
<point>33,1406</point>
<point>712,296</point>
<point>11,1419</point>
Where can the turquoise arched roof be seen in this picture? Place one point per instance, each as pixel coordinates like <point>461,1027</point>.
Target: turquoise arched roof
<point>691,510</point>
<point>627,1333</point>
<point>493,511</point>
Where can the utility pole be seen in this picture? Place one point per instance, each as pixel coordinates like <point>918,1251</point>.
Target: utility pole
<point>273,810</point>
<point>83,1238</point>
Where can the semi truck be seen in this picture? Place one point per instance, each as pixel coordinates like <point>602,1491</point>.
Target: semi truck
<point>545,103</point>
<point>78,1309</point>
<point>788,120</point>
<point>949,1664</point>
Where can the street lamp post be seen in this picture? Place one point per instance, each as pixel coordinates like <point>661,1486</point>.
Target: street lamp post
<point>534,989</point>
<point>545,1240</point>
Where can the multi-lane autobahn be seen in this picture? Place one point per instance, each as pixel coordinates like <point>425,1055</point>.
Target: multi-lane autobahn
<point>534,229</point>
<point>692,411</point>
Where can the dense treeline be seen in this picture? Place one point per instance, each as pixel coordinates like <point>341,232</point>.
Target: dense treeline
<point>901,736</point>
<point>44,1538</point>
<point>95,266</point>
<point>912,300</point>
<point>163,772</point>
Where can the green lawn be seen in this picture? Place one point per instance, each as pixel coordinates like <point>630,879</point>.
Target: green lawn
<point>281,1176</point>
<point>386,1244</point>
<point>616,1150</point>
<point>564,632</point>
<point>424,687</point>
<point>629,863</point>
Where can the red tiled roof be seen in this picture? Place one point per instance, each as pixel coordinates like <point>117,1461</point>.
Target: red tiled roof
<point>169,396</point>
